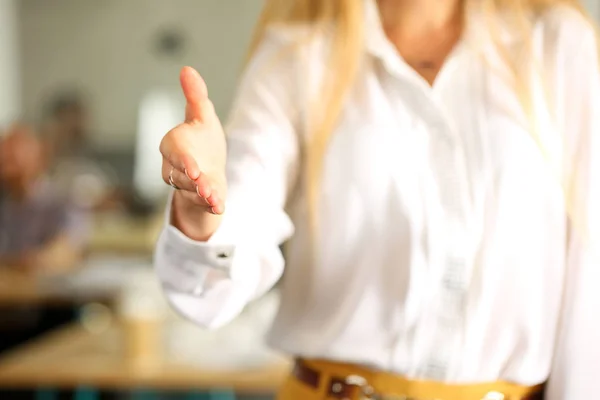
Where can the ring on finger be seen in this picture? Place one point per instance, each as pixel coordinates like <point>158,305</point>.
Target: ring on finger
<point>171,182</point>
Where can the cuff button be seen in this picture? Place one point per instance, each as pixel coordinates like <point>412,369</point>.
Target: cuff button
<point>223,255</point>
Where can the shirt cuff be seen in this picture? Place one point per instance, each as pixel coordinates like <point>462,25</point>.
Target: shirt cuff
<point>210,254</point>
<point>195,267</point>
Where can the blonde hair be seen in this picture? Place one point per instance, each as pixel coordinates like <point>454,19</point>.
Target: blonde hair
<point>348,18</point>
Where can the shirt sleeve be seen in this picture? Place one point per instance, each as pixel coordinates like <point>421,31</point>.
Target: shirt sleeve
<point>210,283</point>
<point>576,367</point>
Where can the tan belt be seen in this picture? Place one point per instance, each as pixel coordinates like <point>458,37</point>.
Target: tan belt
<point>346,381</point>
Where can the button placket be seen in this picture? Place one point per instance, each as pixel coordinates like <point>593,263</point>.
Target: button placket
<point>454,277</point>
<point>447,319</point>
<point>454,285</point>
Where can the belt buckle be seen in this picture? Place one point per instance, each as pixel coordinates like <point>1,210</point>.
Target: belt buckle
<point>366,391</point>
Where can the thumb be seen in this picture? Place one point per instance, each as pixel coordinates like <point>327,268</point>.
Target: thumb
<point>198,107</point>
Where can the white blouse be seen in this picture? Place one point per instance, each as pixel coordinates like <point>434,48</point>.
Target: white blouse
<point>445,247</point>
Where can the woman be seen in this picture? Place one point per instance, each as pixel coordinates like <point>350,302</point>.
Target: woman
<point>437,163</point>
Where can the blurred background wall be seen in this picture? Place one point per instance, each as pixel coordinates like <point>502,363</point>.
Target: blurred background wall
<point>594,7</point>
<point>9,63</point>
<point>124,58</point>
<point>116,51</point>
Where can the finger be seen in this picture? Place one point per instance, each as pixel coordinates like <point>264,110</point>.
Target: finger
<point>195,199</point>
<point>207,190</point>
<point>177,156</point>
<point>212,195</point>
<point>217,206</point>
<point>199,108</point>
<point>184,183</point>
<point>178,178</point>
<point>205,186</point>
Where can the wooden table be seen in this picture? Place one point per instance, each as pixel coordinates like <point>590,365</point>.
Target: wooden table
<point>17,287</point>
<point>72,357</point>
<point>113,235</point>
<point>22,289</point>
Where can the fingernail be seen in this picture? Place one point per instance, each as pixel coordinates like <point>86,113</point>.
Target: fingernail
<point>213,211</point>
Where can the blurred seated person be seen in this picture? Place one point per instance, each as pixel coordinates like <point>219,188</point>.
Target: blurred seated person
<point>72,163</point>
<point>40,229</point>
<point>65,127</point>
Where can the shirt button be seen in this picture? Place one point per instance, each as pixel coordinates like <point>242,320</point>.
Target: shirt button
<point>435,370</point>
<point>454,283</point>
<point>454,275</point>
